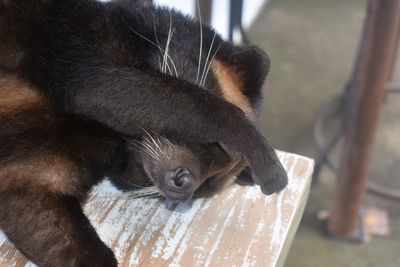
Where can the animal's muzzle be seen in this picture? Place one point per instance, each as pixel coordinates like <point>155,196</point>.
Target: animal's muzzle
<point>178,184</point>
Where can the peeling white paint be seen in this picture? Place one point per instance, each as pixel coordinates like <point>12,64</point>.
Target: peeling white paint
<point>175,228</point>
<point>185,242</point>
<point>218,239</point>
<point>153,232</point>
<point>277,224</point>
<point>253,193</point>
<point>3,238</point>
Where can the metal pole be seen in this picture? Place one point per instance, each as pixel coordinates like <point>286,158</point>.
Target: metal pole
<point>235,17</point>
<point>372,71</point>
<point>205,10</point>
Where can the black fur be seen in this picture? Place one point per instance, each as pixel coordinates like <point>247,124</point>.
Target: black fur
<point>98,66</point>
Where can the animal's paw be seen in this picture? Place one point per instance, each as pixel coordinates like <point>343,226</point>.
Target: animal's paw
<point>268,171</point>
<point>245,178</point>
<point>278,182</point>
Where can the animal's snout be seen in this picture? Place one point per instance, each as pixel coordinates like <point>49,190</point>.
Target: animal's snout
<point>178,184</point>
<point>179,180</point>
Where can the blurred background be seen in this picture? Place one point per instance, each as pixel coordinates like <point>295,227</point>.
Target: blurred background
<point>312,45</point>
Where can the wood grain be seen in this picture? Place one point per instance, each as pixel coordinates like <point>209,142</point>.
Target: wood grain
<point>238,227</point>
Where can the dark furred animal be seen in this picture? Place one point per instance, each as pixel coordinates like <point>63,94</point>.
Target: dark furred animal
<point>141,94</point>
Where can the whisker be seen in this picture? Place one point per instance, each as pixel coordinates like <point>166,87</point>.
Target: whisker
<point>154,44</point>
<point>139,187</point>
<point>157,144</point>
<point>152,141</point>
<point>155,33</point>
<point>168,68</point>
<point>145,148</point>
<point>159,61</point>
<point>169,41</point>
<point>159,47</point>
<point>209,65</point>
<point>140,35</point>
<point>151,191</point>
<point>173,65</point>
<point>208,56</point>
<point>201,41</point>
<point>170,33</point>
<point>152,151</point>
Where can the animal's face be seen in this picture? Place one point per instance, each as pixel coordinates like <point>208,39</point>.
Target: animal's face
<point>180,171</point>
<point>187,50</point>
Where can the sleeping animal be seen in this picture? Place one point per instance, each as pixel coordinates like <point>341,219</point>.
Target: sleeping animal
<point>138,93</point>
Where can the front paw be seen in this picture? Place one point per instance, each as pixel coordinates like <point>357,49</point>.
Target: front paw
<point>278,182</point>
<point>268,171</point>
<point>245,178</point>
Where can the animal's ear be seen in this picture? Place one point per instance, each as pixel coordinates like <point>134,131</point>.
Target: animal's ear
<point>252,64</point>
<point>248,66</point>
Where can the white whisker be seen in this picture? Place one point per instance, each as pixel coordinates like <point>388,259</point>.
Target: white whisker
<point>173,65</point>
<point>208,56</point>
<point>166,50</point>
<point>157,144</point>
<point>168,68</point>
<point>155,33</point>
<point>209,65</point>
<point>163,54</point>
<point>147,149</point>
<point>153,150</point>
<point>152,141</point>
<point>201,41</point>
<point>157,46</point>
<point>159,61</point>
<point>144,37</point>
<point>150,191</point>
<point>170,34</point>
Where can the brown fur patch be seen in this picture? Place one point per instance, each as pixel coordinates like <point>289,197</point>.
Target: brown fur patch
<point>16,94</point>
<point>19,104</point>
<point>54,172</point>
<point>230,85</point>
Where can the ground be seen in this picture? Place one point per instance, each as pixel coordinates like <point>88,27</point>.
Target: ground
<point>312,46</point>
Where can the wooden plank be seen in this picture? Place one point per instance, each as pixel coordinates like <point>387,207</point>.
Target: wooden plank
<point>238,227</point>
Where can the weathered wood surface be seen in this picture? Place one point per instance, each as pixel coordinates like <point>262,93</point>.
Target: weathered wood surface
<point>238,227</point>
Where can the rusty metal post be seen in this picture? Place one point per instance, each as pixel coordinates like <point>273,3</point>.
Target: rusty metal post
<point>205,10</point>
<point>372,71</point>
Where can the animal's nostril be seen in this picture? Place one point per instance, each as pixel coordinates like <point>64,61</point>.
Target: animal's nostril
<point>180,179</point>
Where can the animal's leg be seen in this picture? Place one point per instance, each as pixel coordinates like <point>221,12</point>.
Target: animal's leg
<point>128,100</point>
<point>51,229</point>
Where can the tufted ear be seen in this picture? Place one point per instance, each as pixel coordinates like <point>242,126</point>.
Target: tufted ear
<point>252,66</point>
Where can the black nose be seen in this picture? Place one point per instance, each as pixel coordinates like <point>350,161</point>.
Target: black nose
<point>179,180</point>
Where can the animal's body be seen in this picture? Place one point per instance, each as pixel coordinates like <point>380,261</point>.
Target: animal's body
<point>138,93</point>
